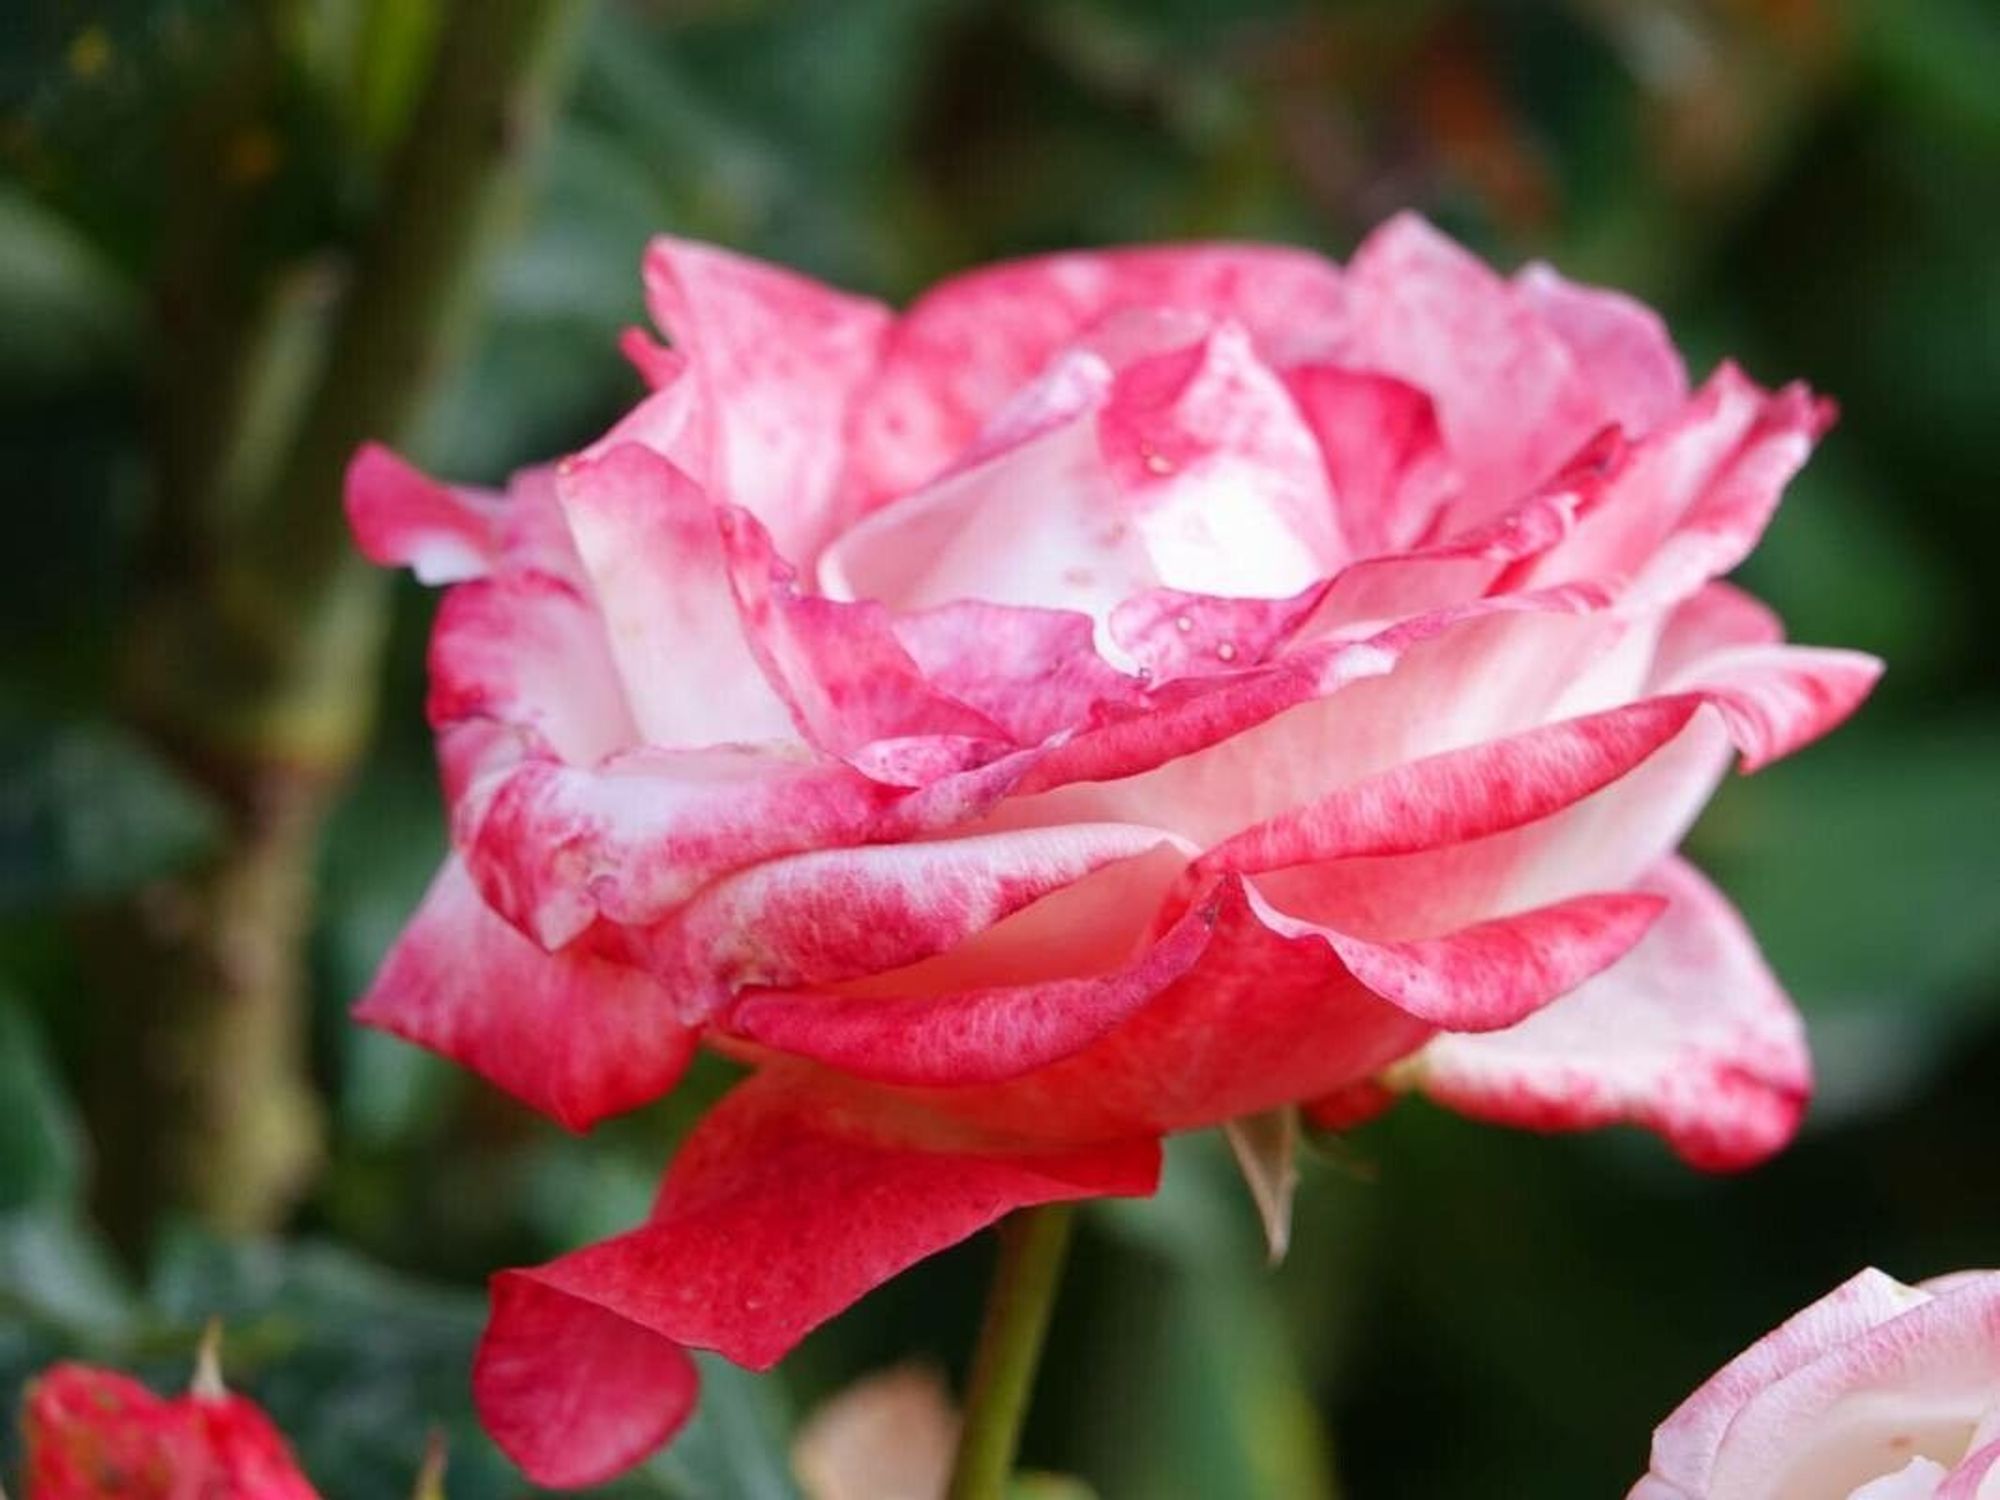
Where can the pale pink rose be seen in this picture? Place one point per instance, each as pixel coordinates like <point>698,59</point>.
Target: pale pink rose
<point>1124,692</point>
<point>1878,1391</point>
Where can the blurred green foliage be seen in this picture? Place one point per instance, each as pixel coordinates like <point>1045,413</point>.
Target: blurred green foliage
<point>1810,185</point>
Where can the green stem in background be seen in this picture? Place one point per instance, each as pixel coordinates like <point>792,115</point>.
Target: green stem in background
<point>251,663</point>
<point>1033,1245</point>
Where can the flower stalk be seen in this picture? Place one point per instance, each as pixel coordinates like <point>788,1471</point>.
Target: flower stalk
<point>1034,1244</point>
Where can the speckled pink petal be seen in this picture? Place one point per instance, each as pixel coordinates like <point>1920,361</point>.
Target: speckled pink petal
<point>778,358</point>
<point>568,1033</point>
<point>1689,1036</point>
<point>780,1211</point>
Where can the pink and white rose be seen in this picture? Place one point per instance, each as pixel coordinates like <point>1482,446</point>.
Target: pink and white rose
<point>1126,691</point>
<point>1878,1391</point>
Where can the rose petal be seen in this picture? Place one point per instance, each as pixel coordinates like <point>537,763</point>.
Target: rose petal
<point>552,847</point>
<point>652,545</point>
<point>567,1033</point>
<point>1689,1036</point>
<point>1384,454</point>
<point>778,358</point>
<point>1618,344</point>
<point>840,914</point>
<point>1510,399</point>
<point>852,688</point>
<point>1035,672</point>
<point>1974,1479</point>
<point>526,651</point>
<point>1917,1384</point>
<point>971,343</point>
<point>779,1212</point>
<point>1219,472</point>
<point>403,518</point>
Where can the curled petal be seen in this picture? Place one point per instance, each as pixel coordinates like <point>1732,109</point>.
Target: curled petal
<point>1218,471</point>
<point>1689,1036</point>
<point>1582,804</point>
<point>778,359</point>
<point>1974,1478</point>
<point>852,688</point>
<point>568,1033</point>
<point>553,847</point>
<point>404,519</point>
<point>839,914</point>
<point>652,545</point>
<point>780,1211</point>
<point>1237,1008</point>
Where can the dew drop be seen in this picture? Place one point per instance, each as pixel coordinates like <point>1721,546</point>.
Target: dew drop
<point>1158,463</point>
<point>1183,623</point>
<point>1227,651</point>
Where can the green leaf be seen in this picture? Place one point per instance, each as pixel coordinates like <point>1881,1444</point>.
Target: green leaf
<point>89,811</point>
<point>41,1140</point>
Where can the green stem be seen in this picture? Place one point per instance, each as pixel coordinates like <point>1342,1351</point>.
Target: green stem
<point>255,671</point>
<point>1033,1244</point>
<point>456,172</point>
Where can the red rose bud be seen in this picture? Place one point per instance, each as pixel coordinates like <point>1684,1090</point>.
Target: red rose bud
<point>95,1434</point>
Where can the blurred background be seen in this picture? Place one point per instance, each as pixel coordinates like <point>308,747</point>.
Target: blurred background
<point>237,237</point>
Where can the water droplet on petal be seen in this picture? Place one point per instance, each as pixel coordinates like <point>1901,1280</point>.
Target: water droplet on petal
<point>1183,623</point>
<point>1227,651</point>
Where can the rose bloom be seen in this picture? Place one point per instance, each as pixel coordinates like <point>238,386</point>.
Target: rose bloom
<point>95,1433</point>
<point>1126,692</point>
<point>1878,1391</point>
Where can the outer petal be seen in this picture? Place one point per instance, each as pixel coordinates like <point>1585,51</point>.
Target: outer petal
<point>969,344</point>
<point>404,519</point>
<point>1689,1036</point>
<point>1238,1008</point>
<point>553,847</point>
<point>1916,1385</point>
<point>1692,498</point>
<point>568,1033</point>
<point>778,359</point>
<point>841,914</point>
<point>780,1211</point>
<point>1578,805</point>
<point>1618,344</point>
<point>652,545</point>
